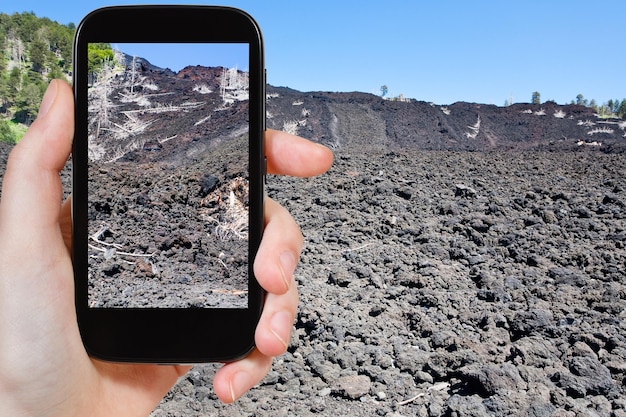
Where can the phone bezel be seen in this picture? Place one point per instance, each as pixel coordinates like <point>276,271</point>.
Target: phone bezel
<point>159,335</point>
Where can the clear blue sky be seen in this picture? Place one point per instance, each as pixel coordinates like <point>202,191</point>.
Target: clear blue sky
<point>177,56</point>
<point>440,51</point>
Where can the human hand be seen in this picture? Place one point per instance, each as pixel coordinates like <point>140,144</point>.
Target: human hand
<point>44,369</point>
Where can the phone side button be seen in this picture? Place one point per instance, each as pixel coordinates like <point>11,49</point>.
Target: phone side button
<point>265,100</point>
<point>264,177</point>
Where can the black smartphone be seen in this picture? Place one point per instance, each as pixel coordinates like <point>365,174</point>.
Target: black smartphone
<point>168,175</point>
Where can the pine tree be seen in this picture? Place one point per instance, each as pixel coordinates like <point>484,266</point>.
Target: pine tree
<point>615,106</point>
<point>27,103</point>
<point>38,55</point>
<point>621,111</point>
<point>536,98</point>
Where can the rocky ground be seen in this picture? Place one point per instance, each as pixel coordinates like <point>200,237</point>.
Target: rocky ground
<point>449,283</point>
<point>168,188</point>
<point>168,234</point>
<point>461,260</point>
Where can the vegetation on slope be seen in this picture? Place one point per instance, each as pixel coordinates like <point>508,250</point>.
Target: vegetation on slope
<point>33,51</point>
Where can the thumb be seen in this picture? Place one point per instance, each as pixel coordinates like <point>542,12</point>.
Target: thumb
<point>31,190</point>
<point>37,316</point>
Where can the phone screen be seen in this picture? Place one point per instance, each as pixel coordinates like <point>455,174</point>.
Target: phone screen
<point>168,175</point>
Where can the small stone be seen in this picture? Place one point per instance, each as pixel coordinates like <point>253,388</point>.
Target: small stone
<point>464,191</point>
<point>405,192</point>
<point>353,386</point>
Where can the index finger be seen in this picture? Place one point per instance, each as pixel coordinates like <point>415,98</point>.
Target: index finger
<point>292,155</point>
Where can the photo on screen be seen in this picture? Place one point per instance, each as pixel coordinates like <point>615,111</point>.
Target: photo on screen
<point>168,175</point>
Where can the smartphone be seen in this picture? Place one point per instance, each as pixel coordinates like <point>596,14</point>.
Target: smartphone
<point>168,175</point>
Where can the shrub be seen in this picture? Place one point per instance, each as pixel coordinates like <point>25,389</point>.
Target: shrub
<point>11,132</point>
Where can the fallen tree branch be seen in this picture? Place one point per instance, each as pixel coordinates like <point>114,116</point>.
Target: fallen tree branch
<point>96,238</point>
<point>166,139</point>
<point>410,400</point>
<point>139,255</point>
<point>232,292</point>
<point>437,387</point>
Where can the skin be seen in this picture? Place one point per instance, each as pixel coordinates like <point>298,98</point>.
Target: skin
<point>44,369</point>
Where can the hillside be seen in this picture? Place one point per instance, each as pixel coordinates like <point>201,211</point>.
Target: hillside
<point>163,116</point>
<point>167,174</point>
<point>190,108</point>
<point>359,120</point>
<point>142,113</point>
<point>33,51</point>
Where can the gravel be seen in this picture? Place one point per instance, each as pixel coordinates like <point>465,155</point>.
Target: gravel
<point>449,283</point>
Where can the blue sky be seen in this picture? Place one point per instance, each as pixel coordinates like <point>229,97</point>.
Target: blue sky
<point>439,51</point>
<point>176,56</point>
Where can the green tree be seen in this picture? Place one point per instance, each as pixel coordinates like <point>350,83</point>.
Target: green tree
<point>581,100</point>
<point>615,106</point>
<point>61,43</point>
<point>536,98</point>
<point>42,46</point>
<point>11,132</point>
<point>384,90</point>
<point>97,55</point>
<point>38,51</point>
<point>26,25</point>
<point>3,45</point>
<point>27,103</point>
<point>6,135</point>
<point>55,72</point>
<point>3,95</point>
<point>14,83</point>
<point>621,111</point>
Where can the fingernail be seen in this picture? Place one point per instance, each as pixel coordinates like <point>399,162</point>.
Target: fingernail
<point>48,99</point>
<point>239,384</point>
<point>287,264</point>
<point>281,324</point>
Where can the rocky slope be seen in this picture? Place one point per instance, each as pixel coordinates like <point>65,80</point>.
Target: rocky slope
<point>191,104</point>
<point>168,215</point>
<point>359,119</point>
